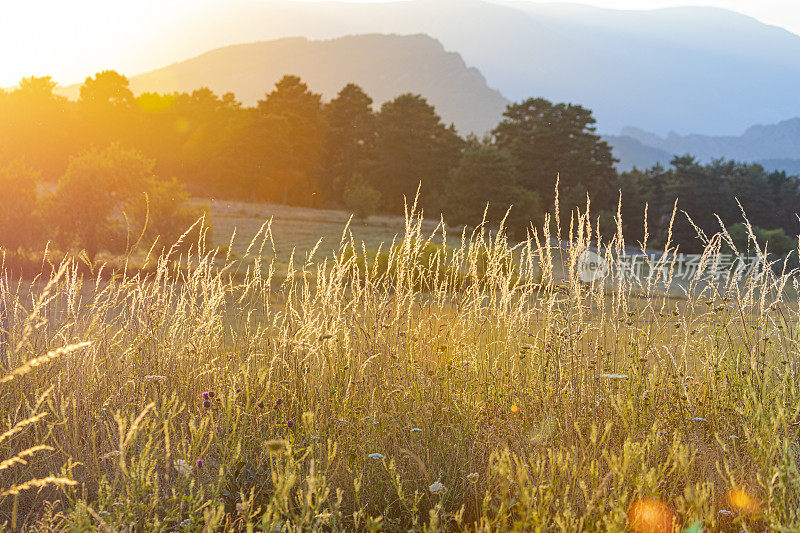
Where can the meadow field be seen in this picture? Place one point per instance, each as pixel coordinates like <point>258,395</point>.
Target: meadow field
<point>394,378</point>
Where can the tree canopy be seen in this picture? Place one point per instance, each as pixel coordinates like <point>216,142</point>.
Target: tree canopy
<point>547,140</point>
<point>295,148</point>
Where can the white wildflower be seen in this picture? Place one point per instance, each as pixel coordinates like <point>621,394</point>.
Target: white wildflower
<point>181,466</point>
<point>436,487</point>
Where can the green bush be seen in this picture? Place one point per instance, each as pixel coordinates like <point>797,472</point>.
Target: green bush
<point>484,186</point>
<point>360,197</point>
<point>163,213</point>
<point>108,199</point>
<point>774,241</point>
<point>20,224</point>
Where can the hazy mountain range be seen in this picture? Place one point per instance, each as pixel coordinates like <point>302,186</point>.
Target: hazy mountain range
<point>385,66</point>
<point>775,146</point>
<point>689,70</point>
<point>705,73</point>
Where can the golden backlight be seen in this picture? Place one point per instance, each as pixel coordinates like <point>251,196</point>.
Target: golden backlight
<point>651,516</point>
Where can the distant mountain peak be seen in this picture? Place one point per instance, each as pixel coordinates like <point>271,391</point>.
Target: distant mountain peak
<point>775,146</point>
<point>385,66</point>
<point>685,69</point>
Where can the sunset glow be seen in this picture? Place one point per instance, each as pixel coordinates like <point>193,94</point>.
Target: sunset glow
<point>399,265</point>
<point>69,40</point>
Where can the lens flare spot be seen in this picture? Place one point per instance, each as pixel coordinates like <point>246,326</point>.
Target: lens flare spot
<point>743,501</point>
<point>650,516</point>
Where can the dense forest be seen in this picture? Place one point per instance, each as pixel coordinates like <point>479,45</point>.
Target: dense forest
<point>102,153</point>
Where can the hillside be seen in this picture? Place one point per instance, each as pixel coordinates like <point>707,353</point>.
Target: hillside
<point>383,65</point>
<point>689,70</point>
<point>776,146</point>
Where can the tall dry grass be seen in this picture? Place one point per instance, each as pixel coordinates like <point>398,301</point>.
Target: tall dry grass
<point>419,387</point>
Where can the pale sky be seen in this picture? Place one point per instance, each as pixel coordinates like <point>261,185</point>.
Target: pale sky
<point>70,40</point>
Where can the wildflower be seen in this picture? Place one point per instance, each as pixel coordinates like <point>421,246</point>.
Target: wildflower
<point>181,466</point>
<point>376,456</point>
<point>437,487</point>
<point>211,394</point>
<point>206,395</point>
<point>514,408</point>
<point>290,424</point>
<point>207,404</point>
<point>199,463</point>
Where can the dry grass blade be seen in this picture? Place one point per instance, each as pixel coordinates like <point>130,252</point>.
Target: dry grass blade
<point>38,361</point>
<point>22,424</point>
<point>19,459</point>
<point>37,484</point>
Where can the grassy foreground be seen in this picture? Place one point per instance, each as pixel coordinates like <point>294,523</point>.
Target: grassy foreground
<point>423,388</point>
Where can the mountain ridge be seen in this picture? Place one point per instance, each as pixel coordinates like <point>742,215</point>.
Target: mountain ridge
<point>385,66</point>
<point>705,70</point>
<point>687,69</point>
<point>774,146</point>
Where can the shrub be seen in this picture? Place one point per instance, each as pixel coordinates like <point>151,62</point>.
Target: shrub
<point>774,241</point>
<point>360,197</point>
<point>163,213</point>
<point>108,198</point>
<point>19,223</point>
<point>485,185</point>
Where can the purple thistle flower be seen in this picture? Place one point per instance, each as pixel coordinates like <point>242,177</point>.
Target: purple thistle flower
<point>211,393</point>
<point>206,395</point>
<point>199,463</point>
<point>207,404</point>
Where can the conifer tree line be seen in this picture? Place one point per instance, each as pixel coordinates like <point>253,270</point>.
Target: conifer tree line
<point>112,152</point>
